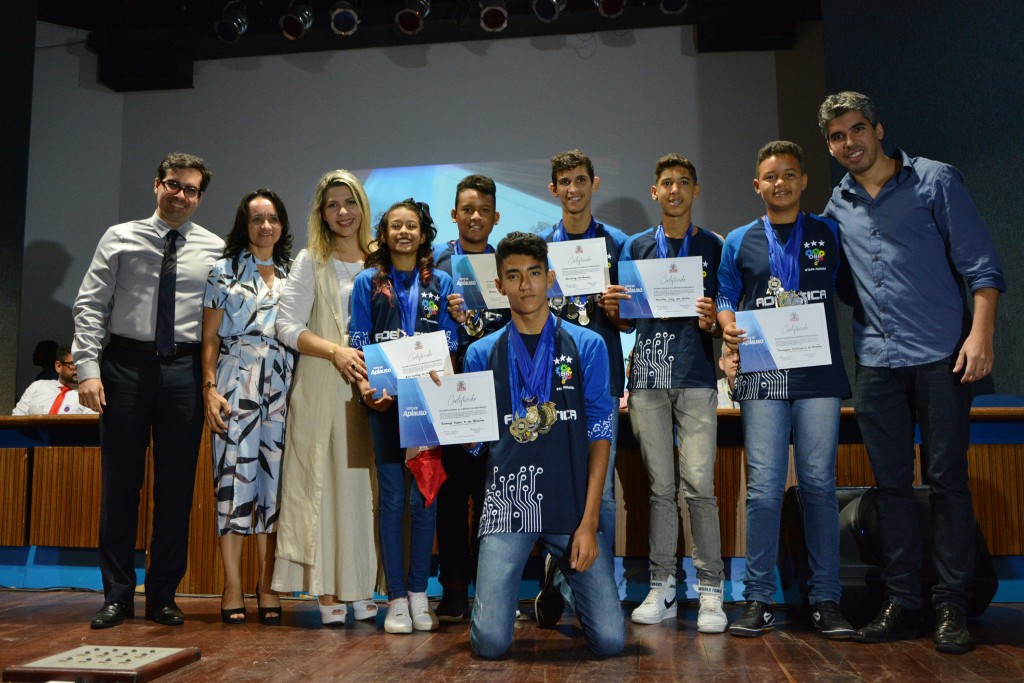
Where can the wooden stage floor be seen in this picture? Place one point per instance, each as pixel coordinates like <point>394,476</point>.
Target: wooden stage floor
<point>38,624</point>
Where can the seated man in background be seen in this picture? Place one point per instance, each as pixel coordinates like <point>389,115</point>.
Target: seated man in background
<point>54,396</point>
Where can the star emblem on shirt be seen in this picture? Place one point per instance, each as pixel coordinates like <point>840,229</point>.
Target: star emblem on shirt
<point>563,359</point>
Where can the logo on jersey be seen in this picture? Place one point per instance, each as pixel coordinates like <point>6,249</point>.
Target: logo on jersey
<point>814,252</point>
<point>428,302</point>
<point>564,368</point>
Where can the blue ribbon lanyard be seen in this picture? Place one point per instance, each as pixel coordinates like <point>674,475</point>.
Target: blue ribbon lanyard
<point>460,251</point>
<point>531,377</point>
<point>684,250</point>
<point>559,235</point>
<point>784,261</point>
<point>408,298</point>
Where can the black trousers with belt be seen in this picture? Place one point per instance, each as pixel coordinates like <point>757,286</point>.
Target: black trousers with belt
<point>145,395</point>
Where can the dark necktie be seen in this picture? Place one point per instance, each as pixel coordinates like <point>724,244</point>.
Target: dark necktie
<point>165,296</point>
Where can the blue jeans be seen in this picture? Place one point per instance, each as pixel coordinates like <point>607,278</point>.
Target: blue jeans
<point>606,517</point>
<point>389,458</point>
<point>500,569</point>
<point>690,471</point>
<point>889,401</point>
<point>767,425</point>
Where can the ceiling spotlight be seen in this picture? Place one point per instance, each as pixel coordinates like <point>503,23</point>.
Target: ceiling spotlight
<point>548,10</point>
<point>344,18</point>
<point>410,18</point>
<point>673,6</point>
<point>610,8</point>
<point>297,20</point>
<point>493,15</point>
<point>233,22</point>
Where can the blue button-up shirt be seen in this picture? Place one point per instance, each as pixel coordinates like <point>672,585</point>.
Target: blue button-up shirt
<point>911,250</point>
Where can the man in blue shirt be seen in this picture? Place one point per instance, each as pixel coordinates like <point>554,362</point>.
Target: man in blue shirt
<point>546,472</point>
<point>913,239</point>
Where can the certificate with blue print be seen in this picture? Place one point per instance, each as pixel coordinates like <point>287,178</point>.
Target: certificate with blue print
<point>474,276</point>
<point>784,338</point>
<point>661,288</point>
<point>390,361</point>
<point>581,267</point>
<point>462,410</point>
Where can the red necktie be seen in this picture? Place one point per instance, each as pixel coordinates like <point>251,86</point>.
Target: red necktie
<point>60,399</point>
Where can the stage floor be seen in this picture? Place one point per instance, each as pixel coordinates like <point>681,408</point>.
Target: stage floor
<point>34,625</point>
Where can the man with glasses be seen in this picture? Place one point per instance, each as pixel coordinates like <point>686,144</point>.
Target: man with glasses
<point>54,396</point>
<point>145,288</point>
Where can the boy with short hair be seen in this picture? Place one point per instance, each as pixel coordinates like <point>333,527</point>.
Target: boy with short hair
<point>672,384</point>
<point>546,472</point>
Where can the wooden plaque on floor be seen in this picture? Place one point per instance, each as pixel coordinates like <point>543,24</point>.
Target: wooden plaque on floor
<point>94,663</point>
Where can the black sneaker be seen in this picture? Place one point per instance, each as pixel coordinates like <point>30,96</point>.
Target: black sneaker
<point>830,621</point>
<point>549,604</point>
<point>757,618</point>
<point>951,634</point>
<point>453,606</point>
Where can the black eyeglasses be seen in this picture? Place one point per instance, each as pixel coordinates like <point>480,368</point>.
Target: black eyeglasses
<point>67,363</point>
<point>173,186</point>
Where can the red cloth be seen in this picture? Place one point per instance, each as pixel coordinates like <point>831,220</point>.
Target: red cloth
<point>428,472</point>
<point>55,408</point>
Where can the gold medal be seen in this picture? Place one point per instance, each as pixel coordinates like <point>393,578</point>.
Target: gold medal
<point>547,417</point>
<point>519,430</point>
<point>532,417</point>
<point>474,324</point>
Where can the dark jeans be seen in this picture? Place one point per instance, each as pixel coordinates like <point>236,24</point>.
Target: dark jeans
<point>456,538</point>
<point>889,401</point>
<point>146,393</point>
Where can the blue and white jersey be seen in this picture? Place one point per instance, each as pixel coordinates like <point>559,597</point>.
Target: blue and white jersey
<point>377,317</point>
<point>743,286</point>
<point>674,353</point>
<point>614,240</point>
<point>541,486</point>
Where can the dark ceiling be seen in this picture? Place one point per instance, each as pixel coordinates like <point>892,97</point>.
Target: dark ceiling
<point>151,44</point>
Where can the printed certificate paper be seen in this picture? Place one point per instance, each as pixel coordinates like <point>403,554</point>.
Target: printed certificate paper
<point>581,267</point>
<point>390,361</point>
<point>784,338</point>
<point>474,276</point>
<point>461,410</point>
<point>661,288</point>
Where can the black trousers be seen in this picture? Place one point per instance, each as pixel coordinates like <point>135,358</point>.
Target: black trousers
<point>456,540</point>
<point>147,395</point>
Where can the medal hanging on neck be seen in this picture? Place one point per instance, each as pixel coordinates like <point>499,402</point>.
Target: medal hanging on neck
<point>784,263</point>
<point>530,383</point>
<point>579,306</point>
<point>662,242</point>
<point>408,299</point>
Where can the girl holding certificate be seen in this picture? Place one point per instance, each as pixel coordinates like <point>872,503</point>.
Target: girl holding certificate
<point>786,258</point>
<point>325,542</point>
<point>401,294</point>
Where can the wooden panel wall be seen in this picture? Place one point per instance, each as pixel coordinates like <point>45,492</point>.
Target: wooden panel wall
<point>13,495</point>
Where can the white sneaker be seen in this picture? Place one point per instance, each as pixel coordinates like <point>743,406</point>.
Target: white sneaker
<point>423,618</point>
<point>332,614</point>
<point>710,618</point>
<point>398,619</point>
<point>364,609</point>
<point>659,604</point>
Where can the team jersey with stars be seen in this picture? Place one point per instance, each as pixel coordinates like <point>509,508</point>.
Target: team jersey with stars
<point>541,486</point>
<point>377,317</point>
<point>743,285</point>
<point>674,353</point>
<point>599,322</point>
<point>493,320</point>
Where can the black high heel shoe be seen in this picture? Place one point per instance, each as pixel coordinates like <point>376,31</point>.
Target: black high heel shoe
<point>269,616</point>
<point>230,616</point>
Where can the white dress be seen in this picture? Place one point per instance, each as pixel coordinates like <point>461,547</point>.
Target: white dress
<point>326,543</point>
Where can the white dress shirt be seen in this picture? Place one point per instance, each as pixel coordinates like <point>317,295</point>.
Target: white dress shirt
<point>39,396</point>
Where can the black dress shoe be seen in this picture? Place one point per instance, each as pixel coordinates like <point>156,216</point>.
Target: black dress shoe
<point>168,615</point>
<point>951,634</point>
<point>112,614</point>
<point>894,622</point>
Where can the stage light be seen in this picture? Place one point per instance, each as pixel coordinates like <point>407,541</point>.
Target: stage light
<point>673,6</point>
<point>410,18</point>
<point>344,18</point>
<point>548,10</point>
<point>297,20</point>
<point>233,22</point>
<point>610,8</point>
<point>493,15</point>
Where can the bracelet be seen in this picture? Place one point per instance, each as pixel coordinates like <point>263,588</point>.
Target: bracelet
<point>208,385</point>
<point>330,354</point>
